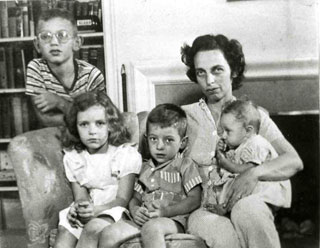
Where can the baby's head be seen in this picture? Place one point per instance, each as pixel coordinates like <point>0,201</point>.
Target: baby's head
<point>94,120</point>
<point>240,120</point>
<point>56,35</point>
<point>166,132</point>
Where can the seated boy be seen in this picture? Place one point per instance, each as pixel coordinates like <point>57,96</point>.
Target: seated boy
<point>168,188</point>
<point>57,77</point>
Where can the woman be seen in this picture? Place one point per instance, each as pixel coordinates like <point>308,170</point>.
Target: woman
<point>217,65</point>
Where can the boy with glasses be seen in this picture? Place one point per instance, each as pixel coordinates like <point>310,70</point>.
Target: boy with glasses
<point>57,77</point>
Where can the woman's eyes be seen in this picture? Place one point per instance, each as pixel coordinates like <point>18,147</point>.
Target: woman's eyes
<point>200,73</point>
<point>83,124</point>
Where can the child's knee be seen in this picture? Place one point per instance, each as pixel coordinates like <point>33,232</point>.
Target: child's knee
<point>110,237</point>
<point>152,227</point>
<point>94,227</point>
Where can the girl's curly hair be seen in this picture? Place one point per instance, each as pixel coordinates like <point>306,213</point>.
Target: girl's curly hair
<point>118,133</point>
<point>231,49</point>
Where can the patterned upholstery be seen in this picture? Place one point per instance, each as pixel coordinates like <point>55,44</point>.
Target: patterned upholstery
<point>44,190</point>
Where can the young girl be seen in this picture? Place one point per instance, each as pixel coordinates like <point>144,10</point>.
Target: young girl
<point>101,167</point>
<point>241,148</point>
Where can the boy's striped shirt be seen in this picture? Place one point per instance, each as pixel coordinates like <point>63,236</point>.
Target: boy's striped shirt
<point>40,77</point>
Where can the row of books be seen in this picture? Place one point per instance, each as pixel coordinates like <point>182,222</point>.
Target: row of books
<point>13,61</point>
<point>16,115</point>
<point>18,18</point>
<point>93,55</point>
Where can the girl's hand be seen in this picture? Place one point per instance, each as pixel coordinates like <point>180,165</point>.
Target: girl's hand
<point>85,211</point>
<point>140,215</point>
<point>72,217</point>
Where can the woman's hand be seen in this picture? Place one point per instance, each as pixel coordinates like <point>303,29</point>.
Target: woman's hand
<point>72,216</point>
<point>85,211</point>
<point>140,215</point>
<point>243,186</point>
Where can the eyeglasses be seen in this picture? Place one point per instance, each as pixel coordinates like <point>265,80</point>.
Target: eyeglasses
<point>62,36</point>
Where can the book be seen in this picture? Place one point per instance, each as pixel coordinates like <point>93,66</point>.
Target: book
<point>84,54</point>
<point>4,19</point>
<point>5,162</point>
<point>31,19</point>
<point>10,67</point>
<point>6,117</point>
<point>15,22</point>
<point>25,17</point>
<point>3,69</point>
<point>19,69</point>
<point>25,114</point>
<point>93,56</point>
<point>17,114</point>
<point>1,118</point>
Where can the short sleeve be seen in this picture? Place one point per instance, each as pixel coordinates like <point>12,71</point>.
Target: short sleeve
<point>34,78</point>
<point>74,166</point>
<point>96,80</point>
<point>268,129</point>
<point>190,174</point>
<point>126,160</point>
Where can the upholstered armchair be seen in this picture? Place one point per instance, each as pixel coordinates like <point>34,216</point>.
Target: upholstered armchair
<point>44,190</point>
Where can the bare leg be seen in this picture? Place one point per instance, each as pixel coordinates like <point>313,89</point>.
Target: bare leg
<point>65,239</point>
<point>117,233</point>
<point>154,231</point>
<point>91,232</point>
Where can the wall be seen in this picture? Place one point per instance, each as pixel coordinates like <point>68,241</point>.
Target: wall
<point>152,32</point>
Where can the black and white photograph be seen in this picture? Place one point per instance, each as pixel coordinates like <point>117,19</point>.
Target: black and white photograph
<point>159,123</point>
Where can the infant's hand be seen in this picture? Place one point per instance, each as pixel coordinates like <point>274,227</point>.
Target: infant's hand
<point>73,217</point>
<point>140,215</point>
<point>221,145</point>
<point>85,211</point>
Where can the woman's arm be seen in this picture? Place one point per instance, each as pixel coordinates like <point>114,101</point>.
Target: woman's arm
<point>124,194</point>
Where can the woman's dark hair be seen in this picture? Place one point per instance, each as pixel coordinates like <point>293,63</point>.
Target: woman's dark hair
<point>118,133</point>
<point>231,49</point>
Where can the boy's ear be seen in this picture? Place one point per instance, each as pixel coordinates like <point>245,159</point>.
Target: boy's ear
<point>184,142</point>
<point>36,44</point>
<point>77,43</point>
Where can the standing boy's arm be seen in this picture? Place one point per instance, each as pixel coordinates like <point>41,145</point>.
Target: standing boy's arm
<point>187,205</point>
<point>50,108</point>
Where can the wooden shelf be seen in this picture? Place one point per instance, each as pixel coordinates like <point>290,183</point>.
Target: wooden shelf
<point>5,140</point>
<point>16,90</point>
<point>8,188</point>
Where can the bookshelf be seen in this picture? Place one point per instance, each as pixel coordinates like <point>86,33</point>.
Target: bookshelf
<point>17,27</point>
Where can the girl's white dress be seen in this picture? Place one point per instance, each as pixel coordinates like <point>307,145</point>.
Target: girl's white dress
<point>100,174</point>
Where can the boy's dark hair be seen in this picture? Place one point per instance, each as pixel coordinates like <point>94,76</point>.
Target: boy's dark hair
<point>168,115</point>
<point>49,14</point>
<point>245,111</point>
<point>231,49</point>
<point>118,133</point>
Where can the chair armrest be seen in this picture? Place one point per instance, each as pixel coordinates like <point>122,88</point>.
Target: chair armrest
<point>43,188</point>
